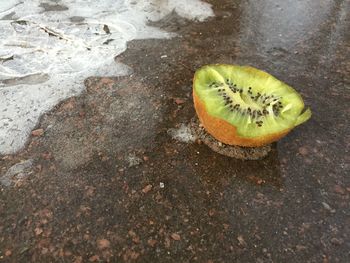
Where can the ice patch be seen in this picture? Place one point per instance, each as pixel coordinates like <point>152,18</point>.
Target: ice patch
<point>182,134</point>
<point>48,48</point>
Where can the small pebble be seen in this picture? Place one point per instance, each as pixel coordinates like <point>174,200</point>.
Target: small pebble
<point>103,243</point>
<point>38,132</point>
<point>175,236</point>
<point>336,241</point>
<point>152,242</point>
<point>303,151</point>
<point>179,101</point>
<point>327,207</point>
<point>147,188</point>
<point>241,241</point>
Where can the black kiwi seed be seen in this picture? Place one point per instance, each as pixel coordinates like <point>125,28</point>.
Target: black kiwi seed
<point>259,123</point>
<point>258,103</point>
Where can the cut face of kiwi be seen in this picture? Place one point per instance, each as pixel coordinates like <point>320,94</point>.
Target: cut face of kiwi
<point>255,103</point>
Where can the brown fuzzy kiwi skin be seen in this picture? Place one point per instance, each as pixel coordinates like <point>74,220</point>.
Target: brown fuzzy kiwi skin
<point>225,132</point>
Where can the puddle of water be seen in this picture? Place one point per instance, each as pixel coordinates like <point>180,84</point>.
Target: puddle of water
<point>281,24</point>
<point>49,42</point>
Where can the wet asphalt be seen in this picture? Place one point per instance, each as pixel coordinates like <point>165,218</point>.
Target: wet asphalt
<point>107,183</point>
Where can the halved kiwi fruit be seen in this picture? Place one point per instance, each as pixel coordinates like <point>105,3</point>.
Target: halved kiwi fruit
<point>241,105</point>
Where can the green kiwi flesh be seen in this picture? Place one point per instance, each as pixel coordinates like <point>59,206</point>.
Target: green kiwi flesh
<point>253,101</point>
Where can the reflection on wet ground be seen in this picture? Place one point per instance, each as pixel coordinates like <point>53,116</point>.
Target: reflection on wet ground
<point>108,183</point>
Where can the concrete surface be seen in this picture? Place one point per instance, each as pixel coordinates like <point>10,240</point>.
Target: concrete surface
<point>109,184</point>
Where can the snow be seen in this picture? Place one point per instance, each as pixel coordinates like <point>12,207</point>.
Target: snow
<point>46,53</point>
